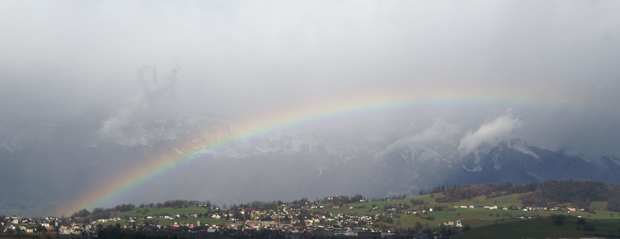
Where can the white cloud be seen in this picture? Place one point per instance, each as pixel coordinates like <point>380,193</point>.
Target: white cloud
<point>441,132</point>
<point>490,132</point>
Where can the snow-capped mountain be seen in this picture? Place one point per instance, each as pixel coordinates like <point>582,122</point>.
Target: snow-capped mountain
<point>51,160</point>
<point>16,136</point>
<point>515,161</point>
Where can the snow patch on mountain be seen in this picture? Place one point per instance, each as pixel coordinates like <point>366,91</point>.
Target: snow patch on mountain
<point>179,128</point>
<point>496,164</point>
<point>477,168</point>
<point>524,150</point>
<point>429,153</point>
<point>16,134</point>
<point>615,161</point>
<point>536,176</point>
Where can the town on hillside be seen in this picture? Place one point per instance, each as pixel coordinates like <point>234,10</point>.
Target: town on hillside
<point>439,212</point>
<point>291,218</point>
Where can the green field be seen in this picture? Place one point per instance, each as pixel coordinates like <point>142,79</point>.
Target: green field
<point>476,217</point>
<point>544,228</point>
<point>161,211</point>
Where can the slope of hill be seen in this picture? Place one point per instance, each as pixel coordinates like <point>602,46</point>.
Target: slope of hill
<point>571,227</point>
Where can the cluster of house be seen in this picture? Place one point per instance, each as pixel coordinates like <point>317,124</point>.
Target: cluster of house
<point>458,223</point>
<point>37,225</point>
<point>285,219</point>
<point>30,225</point>
<point>292,220</point>
<point>525,209</point>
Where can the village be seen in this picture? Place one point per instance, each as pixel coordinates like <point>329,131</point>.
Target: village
<point>382,219</point>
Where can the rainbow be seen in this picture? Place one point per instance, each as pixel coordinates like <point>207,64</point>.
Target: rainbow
<point>127,181</point>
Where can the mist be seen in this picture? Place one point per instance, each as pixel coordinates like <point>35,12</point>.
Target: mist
<point>139,62</point>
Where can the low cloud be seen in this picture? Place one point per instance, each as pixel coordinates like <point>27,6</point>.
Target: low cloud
<point>490,133</point>
<point>154,96</point>
<point>441,132</point>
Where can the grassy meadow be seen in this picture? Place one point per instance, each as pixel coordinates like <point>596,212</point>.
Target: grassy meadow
<point>545,228</point>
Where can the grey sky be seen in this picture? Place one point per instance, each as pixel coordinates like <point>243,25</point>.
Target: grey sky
<point>243,58</point>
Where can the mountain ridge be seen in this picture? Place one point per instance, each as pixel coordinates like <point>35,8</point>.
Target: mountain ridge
<point>284,164</point>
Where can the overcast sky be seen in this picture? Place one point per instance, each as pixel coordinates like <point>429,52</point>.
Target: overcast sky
<point>242,58</point>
